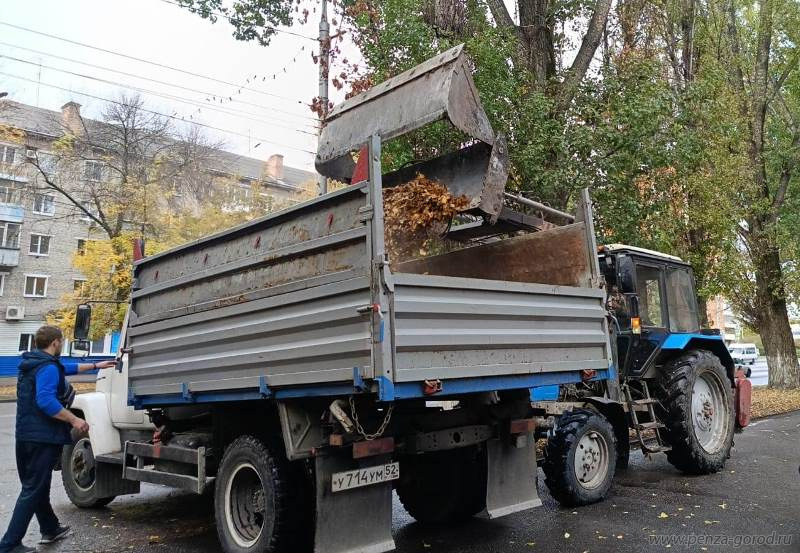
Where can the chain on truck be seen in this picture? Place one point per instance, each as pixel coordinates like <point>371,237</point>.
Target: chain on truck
<point>285,367</point>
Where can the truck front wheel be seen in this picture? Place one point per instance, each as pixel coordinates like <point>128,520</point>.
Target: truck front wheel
<point>257,499</point>
<point>580,458</point>
<point>697,408</point>
<point>443,486</point>
<point>79,474</point>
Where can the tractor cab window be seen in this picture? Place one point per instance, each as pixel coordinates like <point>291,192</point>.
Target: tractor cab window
<point>683,312</point>
<point>648,287</point>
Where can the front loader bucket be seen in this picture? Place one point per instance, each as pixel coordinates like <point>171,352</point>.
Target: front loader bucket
<point>439,88</point>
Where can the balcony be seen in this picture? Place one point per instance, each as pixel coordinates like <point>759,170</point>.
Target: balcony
<point>11,212</point>
<point>9,257</point>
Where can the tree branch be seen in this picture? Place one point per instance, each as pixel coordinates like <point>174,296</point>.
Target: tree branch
<point>591,40</point>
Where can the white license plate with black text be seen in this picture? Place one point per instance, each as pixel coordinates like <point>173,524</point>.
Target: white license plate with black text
<point>365,477</point>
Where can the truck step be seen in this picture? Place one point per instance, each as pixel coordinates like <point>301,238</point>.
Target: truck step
<point>645,401</point>
<point>649,425</point>
<point>655,448</point>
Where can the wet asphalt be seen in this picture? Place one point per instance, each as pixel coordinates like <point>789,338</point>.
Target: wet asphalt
<point>755,500</point>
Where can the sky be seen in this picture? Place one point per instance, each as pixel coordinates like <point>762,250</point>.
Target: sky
<point>271,117</point>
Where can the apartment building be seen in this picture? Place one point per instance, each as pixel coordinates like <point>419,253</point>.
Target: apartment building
<point>41,230</point>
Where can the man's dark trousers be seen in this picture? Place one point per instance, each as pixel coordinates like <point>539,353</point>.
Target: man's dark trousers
<point>35,464</point>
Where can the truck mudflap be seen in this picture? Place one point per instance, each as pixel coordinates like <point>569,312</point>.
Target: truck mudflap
<point>352,518</point>
<point>743,399</point>
<point>512,475</point>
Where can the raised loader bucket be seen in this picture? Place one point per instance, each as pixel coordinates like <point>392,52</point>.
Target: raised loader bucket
<point>439,88</point>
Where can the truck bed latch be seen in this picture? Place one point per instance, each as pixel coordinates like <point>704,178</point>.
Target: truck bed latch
<point>430,387</point>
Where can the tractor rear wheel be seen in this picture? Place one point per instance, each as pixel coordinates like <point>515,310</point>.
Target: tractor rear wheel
<point>697,409</point>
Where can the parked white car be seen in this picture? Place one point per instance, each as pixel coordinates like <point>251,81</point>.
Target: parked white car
<point>744,354</point>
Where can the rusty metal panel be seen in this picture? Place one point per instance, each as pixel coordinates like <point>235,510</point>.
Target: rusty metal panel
<point>308,336</point>
<point>557,256</point>
<point>439,87</point>
<point>449,327</point>
<point>320,241</point>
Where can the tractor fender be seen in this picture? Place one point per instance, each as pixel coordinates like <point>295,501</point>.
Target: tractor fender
<point>677,343</point>
<point>93,408</point>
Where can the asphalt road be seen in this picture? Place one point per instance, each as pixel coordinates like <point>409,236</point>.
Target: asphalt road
<point>758,376</point>
<point>758,494</point>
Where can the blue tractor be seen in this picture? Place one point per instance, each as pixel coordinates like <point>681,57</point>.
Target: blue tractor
<point>674,389</point>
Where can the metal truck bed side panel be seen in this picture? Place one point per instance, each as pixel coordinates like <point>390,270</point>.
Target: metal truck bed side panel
<point>310,336</point>
<point>447,327</point>
<point>322,238</point>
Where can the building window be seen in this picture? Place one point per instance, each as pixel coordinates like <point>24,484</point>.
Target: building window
<point>35,286</point>
<point>98,347</point>
<point>93,170</point>
<point>47,162</point>
<point>8,154</point>
<point>79,287</point>
<point>26,342</point>
<point>88,206</point>
<point>81,250</point>
<point>2,282</point>
<point>9,192</point>
<point>44,204</point>
<point>9,235</point>
<point>40,244</point>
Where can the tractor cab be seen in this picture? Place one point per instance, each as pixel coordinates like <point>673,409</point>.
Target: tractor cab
<point>651,296</point>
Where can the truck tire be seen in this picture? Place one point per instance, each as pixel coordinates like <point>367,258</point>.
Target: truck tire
<point>580,458</point>
<point>260,500</point>
<point>79,475</point>
<point>697,409</point>
<point>443,486</point>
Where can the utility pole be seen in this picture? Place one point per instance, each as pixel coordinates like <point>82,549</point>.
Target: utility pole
<point>324,69</point>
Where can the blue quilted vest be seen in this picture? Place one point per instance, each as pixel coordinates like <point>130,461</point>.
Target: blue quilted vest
<point>32,424</point>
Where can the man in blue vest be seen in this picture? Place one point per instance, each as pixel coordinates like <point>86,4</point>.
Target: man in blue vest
<point>43,428</point>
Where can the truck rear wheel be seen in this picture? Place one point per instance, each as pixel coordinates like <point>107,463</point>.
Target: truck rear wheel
<point>259,499</point>
<point>697,409</point>
<point>443,486</point>
<point>580,458</point>
<point>79,475</point>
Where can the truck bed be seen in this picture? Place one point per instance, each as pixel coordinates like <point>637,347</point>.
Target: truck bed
<point>283,304</point>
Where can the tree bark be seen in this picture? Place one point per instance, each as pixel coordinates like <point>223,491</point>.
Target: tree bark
<point>774,328</point>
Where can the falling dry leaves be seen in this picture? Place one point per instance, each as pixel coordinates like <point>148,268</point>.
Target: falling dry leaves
<point>415,213</point>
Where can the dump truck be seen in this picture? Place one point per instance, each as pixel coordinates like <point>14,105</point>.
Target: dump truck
<point>293,370</point>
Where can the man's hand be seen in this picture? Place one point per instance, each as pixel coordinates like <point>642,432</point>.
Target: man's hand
<point>106,364</point>
<point>80,425</point>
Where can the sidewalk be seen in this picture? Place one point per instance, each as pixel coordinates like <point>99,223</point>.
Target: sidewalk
<point>12,380</point>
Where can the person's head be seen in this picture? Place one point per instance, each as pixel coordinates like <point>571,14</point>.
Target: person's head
<point>49,339</point>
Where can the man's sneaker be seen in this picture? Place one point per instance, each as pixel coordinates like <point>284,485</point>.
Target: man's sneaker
<point>22,548</point>
<point>60,533</point>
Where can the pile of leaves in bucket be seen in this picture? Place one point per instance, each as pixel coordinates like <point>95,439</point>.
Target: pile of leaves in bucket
<point>416,215</point>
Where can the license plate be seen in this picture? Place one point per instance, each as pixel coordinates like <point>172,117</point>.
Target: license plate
<point>365,477</point>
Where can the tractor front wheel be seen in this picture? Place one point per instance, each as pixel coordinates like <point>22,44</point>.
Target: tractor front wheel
<point>580,458</point>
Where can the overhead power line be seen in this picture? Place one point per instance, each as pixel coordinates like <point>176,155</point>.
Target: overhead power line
<point>189,101</point>
<point>172,117</point>
<point>134,58</point>
<point>166,83</point>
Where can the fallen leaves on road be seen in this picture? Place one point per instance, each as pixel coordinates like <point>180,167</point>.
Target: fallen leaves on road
<point>663,515</point>
<point>771,401</point>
